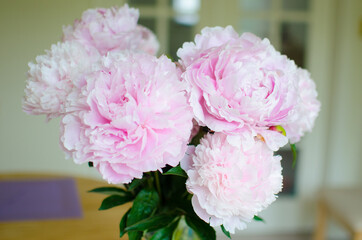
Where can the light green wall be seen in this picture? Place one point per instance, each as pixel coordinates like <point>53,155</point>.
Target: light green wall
<point>345,121</point>
<point>27,28</point>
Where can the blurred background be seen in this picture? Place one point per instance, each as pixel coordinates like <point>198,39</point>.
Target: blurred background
<point>324,36</point>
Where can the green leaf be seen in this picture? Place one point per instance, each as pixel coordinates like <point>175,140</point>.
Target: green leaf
<point>135,235</point>
<point>144,205</point>
<point>166,232</point>
<point>123,224</point>
<point>294,151</point>
<point>226,232</point>
<point>203,229</point>
<point>178,171</point>
<point>259,219</point>
<point>152,223</point>
<point>115,200</point>
<point>135,183</point>
<point>110,191</point>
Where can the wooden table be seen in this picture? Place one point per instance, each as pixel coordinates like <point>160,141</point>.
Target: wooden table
<point>97,225</point>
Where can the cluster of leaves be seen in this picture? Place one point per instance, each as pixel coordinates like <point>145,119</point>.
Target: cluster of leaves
<point>160,203</point>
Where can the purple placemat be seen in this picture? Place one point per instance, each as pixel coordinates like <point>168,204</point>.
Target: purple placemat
<point>39,199</point>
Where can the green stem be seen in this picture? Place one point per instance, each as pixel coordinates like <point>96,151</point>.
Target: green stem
<point>158,185</point>
<point>149,179</point>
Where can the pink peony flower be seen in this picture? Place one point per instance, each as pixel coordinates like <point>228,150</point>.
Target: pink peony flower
<point>230,185</point>
<point>208,39</point>
<point>138,118</point>
<point>111,30</point>
<point>53,77</point>
<point>149,43</point>
<point>307,108</point>
<point>239,84</point>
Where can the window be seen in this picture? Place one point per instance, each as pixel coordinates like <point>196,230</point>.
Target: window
<point>172,21</point>
<point>284,22</point>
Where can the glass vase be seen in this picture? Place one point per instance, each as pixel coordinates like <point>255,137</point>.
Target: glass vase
<point>182,232</point>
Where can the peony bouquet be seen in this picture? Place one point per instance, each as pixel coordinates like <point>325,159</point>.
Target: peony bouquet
<point>191,142</point>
